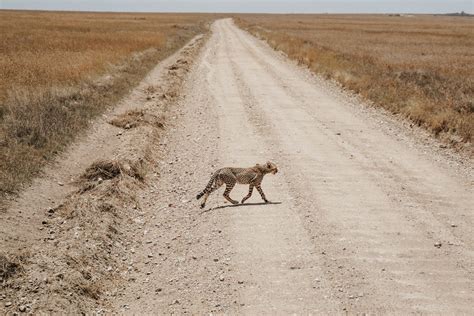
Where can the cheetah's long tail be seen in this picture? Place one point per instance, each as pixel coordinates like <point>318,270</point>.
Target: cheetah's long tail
<point>208,186</point>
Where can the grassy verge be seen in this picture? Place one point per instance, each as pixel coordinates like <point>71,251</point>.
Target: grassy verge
<point>421,67</point>
<point>79,259</point>
<point>60,70</point>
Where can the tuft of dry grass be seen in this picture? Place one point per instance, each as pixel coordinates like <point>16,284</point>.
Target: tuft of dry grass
<point>58,70</point>
<point>10,265</point>
<point>421,67</point>
<point>109,169</point>
<point>134,118</point>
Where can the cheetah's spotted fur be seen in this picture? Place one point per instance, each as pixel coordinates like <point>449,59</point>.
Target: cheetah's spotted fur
<point>230,176</point>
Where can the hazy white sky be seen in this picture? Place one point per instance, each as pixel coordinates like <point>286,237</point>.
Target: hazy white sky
<point>272,6</point>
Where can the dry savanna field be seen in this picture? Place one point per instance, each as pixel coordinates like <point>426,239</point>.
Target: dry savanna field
<point>418,66</point>
<point>59,70</point>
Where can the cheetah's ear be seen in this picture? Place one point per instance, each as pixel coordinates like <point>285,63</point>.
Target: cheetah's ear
<point>269,164</point>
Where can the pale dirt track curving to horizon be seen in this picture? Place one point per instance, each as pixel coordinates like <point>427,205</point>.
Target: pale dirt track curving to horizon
<point>359,205</point>
<point>367,214</point>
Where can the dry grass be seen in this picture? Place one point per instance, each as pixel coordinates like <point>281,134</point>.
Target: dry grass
<point>82,257</point>
<point>134,118</point>
<point>59,70</point>
<point>10,265</point>
<point>421,67</point>
<point>109,169</point>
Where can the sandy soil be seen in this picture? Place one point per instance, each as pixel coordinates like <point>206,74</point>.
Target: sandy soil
<point>367,215</point>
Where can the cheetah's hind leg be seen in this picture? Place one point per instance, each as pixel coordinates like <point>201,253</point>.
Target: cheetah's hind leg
<point>214,187</point>
<point>228,188</point>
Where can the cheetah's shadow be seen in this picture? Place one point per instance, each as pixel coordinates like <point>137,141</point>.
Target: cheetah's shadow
<point>238,205</point>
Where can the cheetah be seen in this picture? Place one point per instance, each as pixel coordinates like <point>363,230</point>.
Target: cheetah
<point>252,176</point>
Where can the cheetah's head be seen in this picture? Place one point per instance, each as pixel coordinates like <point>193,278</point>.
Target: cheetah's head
<point>271,167</point>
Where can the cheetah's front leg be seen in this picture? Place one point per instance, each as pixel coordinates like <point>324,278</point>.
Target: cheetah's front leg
<point>259,188</point>
<point>248,195</point>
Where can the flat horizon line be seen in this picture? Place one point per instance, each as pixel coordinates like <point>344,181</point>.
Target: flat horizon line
<point>217,12</point>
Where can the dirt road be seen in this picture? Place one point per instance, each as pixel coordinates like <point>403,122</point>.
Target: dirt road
<point>365,217</point>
